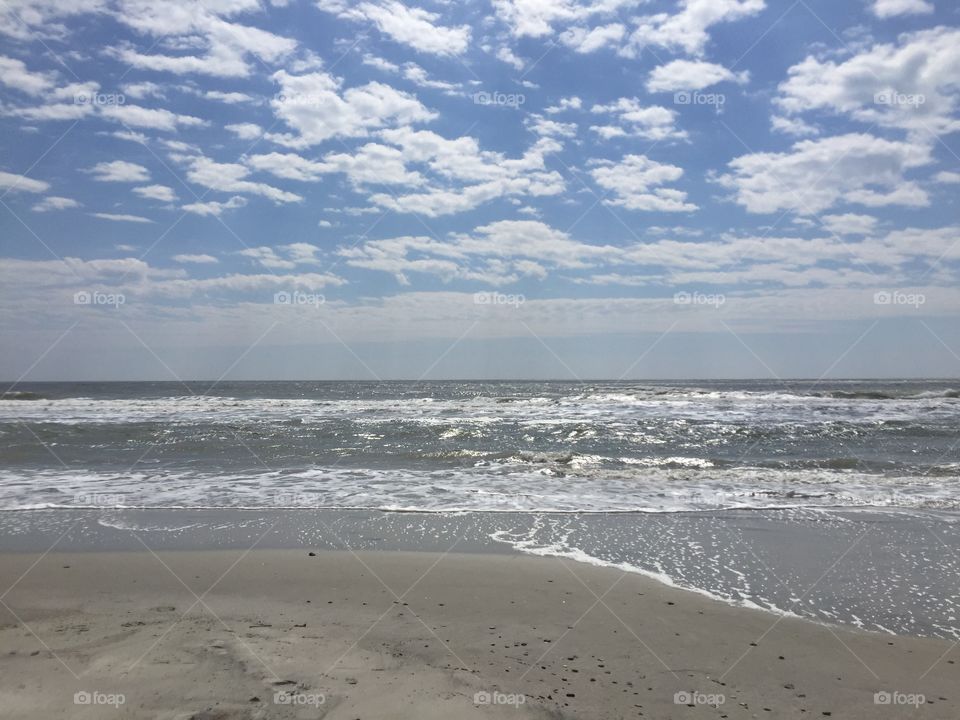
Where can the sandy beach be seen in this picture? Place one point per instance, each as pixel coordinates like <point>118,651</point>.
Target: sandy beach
<point>290,634</point>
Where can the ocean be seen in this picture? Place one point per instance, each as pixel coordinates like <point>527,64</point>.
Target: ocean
<point>745,490</point>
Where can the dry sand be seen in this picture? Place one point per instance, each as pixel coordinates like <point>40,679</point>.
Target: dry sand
<point>417,635</point>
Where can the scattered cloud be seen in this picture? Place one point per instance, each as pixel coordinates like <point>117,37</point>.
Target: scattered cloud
<point>691,75</point>
<point>214,208</point>
<point>910,85</point>
<point>195,259</point>
<point>633,119</point>
<point>11,182</point>
<point>817,174</point>
<point>156,192</point>
<point>895,8</point>
<point>314,106</point>
<point>119,217</point>
<point>403,23</point>
<point>119,171</point>
<point>54,202</point>
<point>636,183</point>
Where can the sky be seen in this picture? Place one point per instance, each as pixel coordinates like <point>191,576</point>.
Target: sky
<point>244,189</point>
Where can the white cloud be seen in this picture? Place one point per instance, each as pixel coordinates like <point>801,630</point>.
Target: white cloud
<point>32,19</point>
<point>817,174</point>
<point>11,182</point>
<point>893,8</point>
<point>691,75</point>
<point>213,208</point>
<point>143,90</point>
<point>245,131</point>
<point>412,26</point>
<point>587,40</point>
<point>195,259</point>
<point>947,178</point>
<point>54,202</point>
<point>230,98</point>
<point>850,224</point>
<point>51,112</point>
<point>156,192</point>
<point>911,84</point>
<point>568,103</point>
<point>130,136</point>
<point>687,29</point>
<point>652,122</point>
<point>119,171</point>
<point>380,63</point>
<point>231,177</point>
<point>14,74</point>
<point>283,257</point>
<point>224,46</point>
<point>536,18</point>
<point>470,176</point>
<point>155,118</point>
<point>550,128</point>
<point>636,183</point>
<point>532,17</point>
<point>374,164</point>
<point>792,126</point>
<point>498,253</point>
<point>289,166</point>
<point>505,252</point>
<point>419,77</point>
<point>121,218</point>
<point>313,106</point>
<point>507,55</point>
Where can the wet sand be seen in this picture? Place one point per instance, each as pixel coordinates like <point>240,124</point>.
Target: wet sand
<point>287,634</point>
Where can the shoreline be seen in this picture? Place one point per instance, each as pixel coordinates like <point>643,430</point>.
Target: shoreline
<point>388,634</point>
<point>858,569</point>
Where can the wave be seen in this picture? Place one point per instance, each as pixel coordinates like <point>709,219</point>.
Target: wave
<point>506,486</point>
<point>21,395</point>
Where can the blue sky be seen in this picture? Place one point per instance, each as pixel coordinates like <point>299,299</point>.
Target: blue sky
<point>522,188</point>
